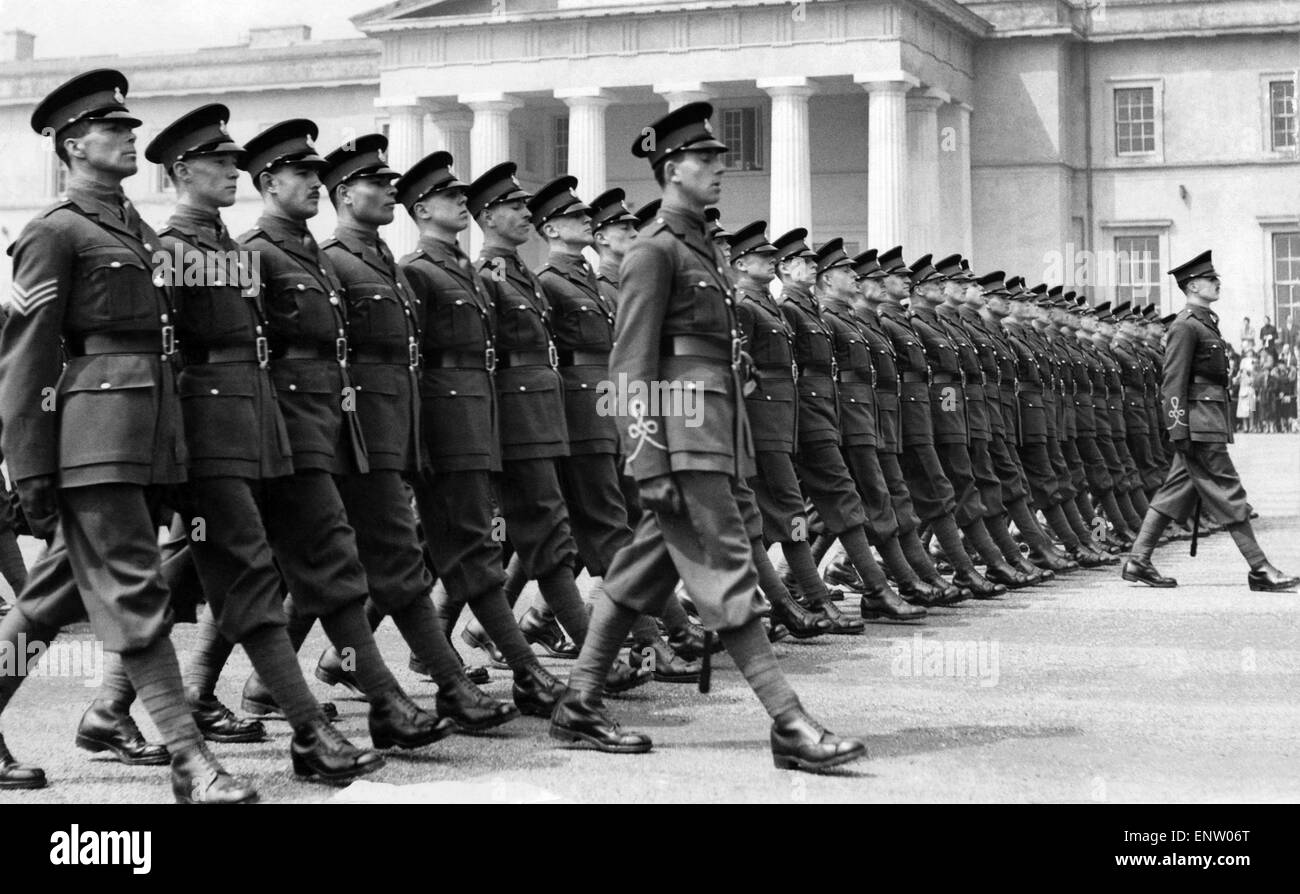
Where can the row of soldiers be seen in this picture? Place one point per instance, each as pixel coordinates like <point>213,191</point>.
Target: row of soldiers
<point>291,421</point>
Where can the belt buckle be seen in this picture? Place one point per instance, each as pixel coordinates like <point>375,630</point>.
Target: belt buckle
<point>263,351</point>
<point>168,340</point>
<point>835,368</point>
<point>341,351</point>
<point>552,354</point>
<point>873,376</point>
<point>735,352</point>
<point>490,360</point>
<point>413,354</point>
<point>794,371</point>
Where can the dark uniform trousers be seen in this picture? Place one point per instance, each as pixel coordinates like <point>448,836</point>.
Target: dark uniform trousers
<point>535,433</point>
<point>708,545</point>
<point>114,443</point>
<point>384,331</point>
<point>583,323</point>
<point>1205,472</point>
<point>455,491</point>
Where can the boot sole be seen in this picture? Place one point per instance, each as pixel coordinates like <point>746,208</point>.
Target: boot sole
<point>307,774</point>
<point>260,710</point>
<point>1134,579</point>
<point>636,683</point>
<point>877,616</point>
<point>251,799</point>
<point>1261,588</point>
<point>677,678</point>
<point>14,785</point>
<point>436,736</point>
<point>465,726</point>
<point>331,678</point>
<point>96,746</point>
<point>233,738</point>
<point>575,738</point>
<point>790,762</point>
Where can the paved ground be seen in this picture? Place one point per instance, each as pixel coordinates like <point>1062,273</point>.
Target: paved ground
<point>1087,690</point>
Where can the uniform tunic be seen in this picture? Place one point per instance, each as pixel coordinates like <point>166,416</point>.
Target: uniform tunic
<point>889,440</point>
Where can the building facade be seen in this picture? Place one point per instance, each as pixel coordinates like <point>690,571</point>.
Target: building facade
<point>1094,147</point>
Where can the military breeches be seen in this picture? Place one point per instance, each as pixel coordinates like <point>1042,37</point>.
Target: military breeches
<point>597,512</point>
<point>1074,462</point>
<point>1150,475</point>
<point>379,509</point>
<point>1131,477</point>
<point>537,518</point>
<point>463,532</point>
<point>955,459</point>
<point>111,535</point>
<point>776,491</point>
<point>1206,471</point>
<point>1094,465</point>
<point>864,466</point>
<point>232,554</point>
<point>987,481</point>
<point>932,492</point>
<point>828,485</point>
<point>899,495</point>
<point>1060,468</point>
<point>706,546</point>
<point>1044,487</point>
<point>1006,466</point>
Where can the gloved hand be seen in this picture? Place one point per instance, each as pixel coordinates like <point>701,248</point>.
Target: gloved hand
<point>748,374</point>
<point>40,504</point>
<point>660,495</point>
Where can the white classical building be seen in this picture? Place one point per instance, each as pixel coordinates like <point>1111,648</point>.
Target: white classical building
<point>1094,145</point>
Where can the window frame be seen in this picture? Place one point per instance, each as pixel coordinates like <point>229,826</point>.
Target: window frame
<point>1279,318</point>
<point>559,143</point>
<point>1266,82</point>
<point>1156,85</point>
<point>1154,282</point>
<point>761,163</point>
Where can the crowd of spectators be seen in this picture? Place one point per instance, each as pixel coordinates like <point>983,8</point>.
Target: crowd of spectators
<point>1265,377</point>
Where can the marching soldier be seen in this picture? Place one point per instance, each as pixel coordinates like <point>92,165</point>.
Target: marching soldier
<point>237,440</point>
<point>677,325</point>
<point>1194,401</point>
<point>459,426</point>
<point>530,391</point>
<point>95,466</point>
<point>306,330</point>
<point>384,341</point>
<point>772,413</point>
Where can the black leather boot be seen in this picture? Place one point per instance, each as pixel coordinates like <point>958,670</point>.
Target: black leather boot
<point>218,723</point>
<point>1141,571</point>
<point>398,722</point>
<point>801,743</point>
<point>885,604</point>
<point>1002,573</point>
<point>482,641</point>
<point>951,593</point>
<point>840,623</point>
<point>688,641</point>
<point>14,775</point>
<point>257,701</point>
<point>108,727</point>
<point>535,691</point>
<point>979,586</point>
<point>585,722</point>
<point>1267,579</point>
<point>331,672</point>
<point>622,677</point>
<point>547,634</point>
<point>478,675</point>
<point>843,574</point>
<point>1035,574</point>
<point>197,778</point>
<point>801,623</point>
<point>1050,561</point>
<point>665,664</point>
<point>321,752</point>
<point>472,709</point>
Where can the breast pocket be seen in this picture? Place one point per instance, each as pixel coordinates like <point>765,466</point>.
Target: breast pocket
<point>376,313</point>
<point>587,328</point>
<point>220,414</point>
<point>455,323</point>
<point>109,410</point>
<point>305,310</point>
<point>708,305</point>
<point>520,327</point>
<point>119,285</point>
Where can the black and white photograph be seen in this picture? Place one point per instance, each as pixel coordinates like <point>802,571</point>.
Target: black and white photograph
<point>634,402</point>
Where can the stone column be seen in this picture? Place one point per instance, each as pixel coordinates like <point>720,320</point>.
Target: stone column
<point>451,133</point>
<point>886,157</point>
<point>923,173</point>
<point>791,156</point>
<point>489,139</point>
<point>965,222</point>
<point>678,95</point>
<point>587,137</point>
<point>405,148</point>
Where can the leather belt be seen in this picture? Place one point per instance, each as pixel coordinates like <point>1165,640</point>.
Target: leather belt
<point>485,360</point>
<point>392,355</point>
<point>550,357</point>
<point>336,350</point>
<point>816,371</point>
<point>1206,380</point>
<point>583,358</point>
<point>913,377</point>
<point>858,376</point>
<point>700,346</point>
<point>942,378</point>
<point>257,353</point>
<point>783,370</point>
<point>149,342</point>
<point>891,388</point>
<point>1025,388</point>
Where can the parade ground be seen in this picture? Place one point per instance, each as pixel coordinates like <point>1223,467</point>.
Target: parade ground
<point>1085,690</point>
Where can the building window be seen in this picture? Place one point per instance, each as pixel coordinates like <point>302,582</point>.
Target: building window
<point>58,176</point>
<point>1135,120</point>
<point>741,131</point>
<point>163,183</point>
<point>560,140</point>
<point>1137,260</point>
<point>1286,277</point>
<point>1281,114</point>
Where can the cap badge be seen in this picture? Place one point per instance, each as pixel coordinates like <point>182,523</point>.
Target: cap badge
<point>515,181</point>
<point>117,95</point>
<point>382,156</point>
<point>221,126</point>
<point>306,138</point>
<point>708,126</point>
